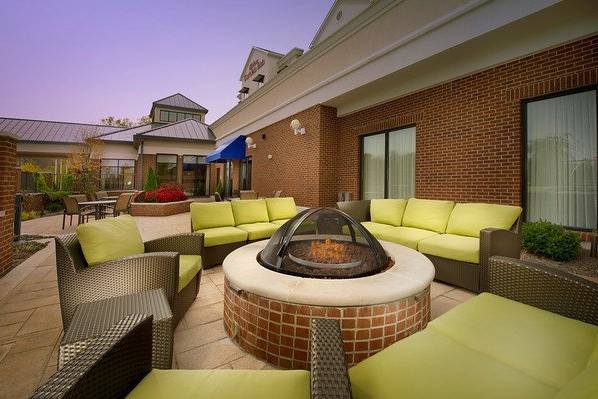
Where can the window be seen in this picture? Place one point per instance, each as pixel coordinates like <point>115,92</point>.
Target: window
<point>52,169</point>
<point>246,174</point>
<point>388,164</point>
<point>172,116</point>
<point>166,168</point>
<point>117,174</point>
<point>561,169</point>
<point>195,175</point>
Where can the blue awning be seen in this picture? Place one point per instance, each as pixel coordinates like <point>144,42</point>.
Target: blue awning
<point>231,150</point>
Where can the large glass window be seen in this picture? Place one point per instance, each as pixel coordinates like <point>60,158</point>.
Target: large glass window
<point>561,167</point>
<point>196,175</point>
<point>166,168</point>
<point>388,164</point>
<point>117,174</point>
<point>52,169</point>
<point>173,116</point>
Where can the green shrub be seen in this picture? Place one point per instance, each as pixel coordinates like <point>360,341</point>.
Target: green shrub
<point>151,182</point>
<point>54,207</point>
<point>550,240</point>
<point>220,188</point>
<point>28,215</point>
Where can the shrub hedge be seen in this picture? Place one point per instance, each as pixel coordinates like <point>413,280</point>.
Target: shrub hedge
<point>547,239</point>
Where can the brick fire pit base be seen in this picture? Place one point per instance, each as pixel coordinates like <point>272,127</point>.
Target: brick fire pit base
<point>278,332</point>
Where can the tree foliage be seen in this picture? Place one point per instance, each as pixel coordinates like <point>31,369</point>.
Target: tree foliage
<point>125,122</point>
<point>85,164</point>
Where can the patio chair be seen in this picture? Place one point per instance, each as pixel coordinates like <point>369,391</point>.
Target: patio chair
<point>247,194</point>
<point>122,205</point>
<point>217,197</point>
<point>79,197</point>
<point>72,207</point>
<point>118,364</point>
<point>101,194</point>
<point>161,265</point>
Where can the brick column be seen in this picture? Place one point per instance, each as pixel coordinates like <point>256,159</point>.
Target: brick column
<point>8,163</point>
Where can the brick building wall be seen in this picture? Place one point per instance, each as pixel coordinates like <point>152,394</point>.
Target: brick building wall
<point>468,140</point>
<point>8,185</point>
<point>149,161</point>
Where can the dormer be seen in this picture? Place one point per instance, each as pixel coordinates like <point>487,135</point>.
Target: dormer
<point>176,108</point>
<point>261,66</point>
<point>341,12</point>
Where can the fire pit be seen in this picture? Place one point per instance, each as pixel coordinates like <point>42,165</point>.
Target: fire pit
<point>324,243</point>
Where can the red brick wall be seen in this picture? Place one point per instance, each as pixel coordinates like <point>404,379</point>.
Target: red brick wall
<point>8,173</point>
<point>149,161</point>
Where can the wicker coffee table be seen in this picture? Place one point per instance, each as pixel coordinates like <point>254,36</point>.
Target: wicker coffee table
<point>93,318</point>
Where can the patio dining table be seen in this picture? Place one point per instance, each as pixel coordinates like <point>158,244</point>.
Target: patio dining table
<point>100,206</point>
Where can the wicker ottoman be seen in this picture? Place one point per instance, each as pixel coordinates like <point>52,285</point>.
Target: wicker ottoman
<point>93,318</point>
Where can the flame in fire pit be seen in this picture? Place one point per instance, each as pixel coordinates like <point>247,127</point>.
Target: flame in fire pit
<point>329,252</point>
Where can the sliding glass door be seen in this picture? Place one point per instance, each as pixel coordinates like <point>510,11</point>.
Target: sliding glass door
<point>561,167</point>
<point>388,164</point>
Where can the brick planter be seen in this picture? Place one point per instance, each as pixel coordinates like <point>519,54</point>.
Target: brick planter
<point>159,209</point>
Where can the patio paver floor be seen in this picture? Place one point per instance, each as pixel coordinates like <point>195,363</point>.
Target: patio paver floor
<point>31,327</point>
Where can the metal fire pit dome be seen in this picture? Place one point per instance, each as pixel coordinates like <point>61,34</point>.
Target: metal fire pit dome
<point>324,243</point>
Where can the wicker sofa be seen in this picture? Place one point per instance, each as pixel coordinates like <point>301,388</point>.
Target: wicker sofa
<point>227,226</point>
<point>172,263</point>
<point>458,238</point>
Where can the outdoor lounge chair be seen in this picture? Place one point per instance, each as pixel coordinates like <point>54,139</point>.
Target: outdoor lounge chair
<point>72,207</point>
<point>167,263</point>
<point>118,364</point>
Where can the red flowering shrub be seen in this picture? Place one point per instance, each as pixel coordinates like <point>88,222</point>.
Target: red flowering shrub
<point>165,193</point>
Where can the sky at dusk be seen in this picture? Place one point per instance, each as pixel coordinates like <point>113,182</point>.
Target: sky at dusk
<point>79,60</point>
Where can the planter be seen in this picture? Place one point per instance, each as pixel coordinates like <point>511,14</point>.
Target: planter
<point>159,208</point>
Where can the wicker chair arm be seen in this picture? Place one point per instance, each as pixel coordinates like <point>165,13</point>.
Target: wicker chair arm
<point>110,367</point>
<point>329,378</point>
<point>499,242</point>
<point>120,277</point>
<point>185,244</point>
<point>544,287</point>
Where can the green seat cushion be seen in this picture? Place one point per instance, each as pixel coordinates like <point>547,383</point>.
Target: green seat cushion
<point>206,215</point>
<point>429,364</point>
<point>189,266</point>
<point>250,211</point>
<point>375,228</point>
<point>280,222</point>
<point>407,236</point>
<point>109,239</point>
<point>223,384</point>
<point>222,235</point>
<point>387,211</point>
<point>543,345</point>
<point>469,219</point>
<point>584,386</point>
<point>450,246</point>
<point>427,214</point>
<point>281,208</point>
<point>259,231</point>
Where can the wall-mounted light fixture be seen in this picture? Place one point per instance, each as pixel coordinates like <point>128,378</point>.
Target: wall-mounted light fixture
<point>297,128</point>
<point>269,156</point>
<point>250,143</point>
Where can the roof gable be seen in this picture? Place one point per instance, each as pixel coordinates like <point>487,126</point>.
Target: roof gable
<point>187,129</point>
<point>341,12</point>
<point>178,101</point>
<point>254,50</point>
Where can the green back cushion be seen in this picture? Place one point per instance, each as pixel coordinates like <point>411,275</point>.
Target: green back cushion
<point>109,239</point>
<point>584,386</point>
<point>206,215</point>
<point>427,214</point>
<point>281,208</point>
<point>387,211</point>
<point>469,219</point>
<point>250,211</point>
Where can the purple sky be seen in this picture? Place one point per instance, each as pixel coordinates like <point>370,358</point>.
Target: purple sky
<point>72,60</point>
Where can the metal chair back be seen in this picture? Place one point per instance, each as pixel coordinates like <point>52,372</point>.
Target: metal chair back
<point>247,194</point>
<point>101,194</point>
<point>71,205</point>
<point>122,203</point>
<point>79,197</point>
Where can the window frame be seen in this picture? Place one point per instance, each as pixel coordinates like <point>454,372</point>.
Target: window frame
<point>176,165</point>
<point>119,169</point>
<point>524,137</point>
<point>386,134</point>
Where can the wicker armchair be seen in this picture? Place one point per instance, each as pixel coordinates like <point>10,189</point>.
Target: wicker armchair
<point>158,267</point>
<point>117,361</point>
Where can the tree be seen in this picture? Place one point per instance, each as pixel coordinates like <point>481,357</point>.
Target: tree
<point>85,164</point>
<point>125,122</point>
<point>151,182</point>
<point>144,120</point>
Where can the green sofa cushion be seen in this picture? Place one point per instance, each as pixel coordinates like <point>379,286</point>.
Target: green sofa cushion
<point>222,235</point>
<point>281,208</point>
<point>450,246</point>
<point>250,211</point>
<point>206,215</point>
<point>584,386</point>
<point>109,239</point>
<point>259,231</point>
<point>543,345</point>
<point>387,211</point>
<point>189,266</point>
<point>468,219</point>
<point>375,228</point>
<point>407,236</point>
<point>427,214</point>
<point>223,384</point>
<point>429,364</point>
<point>280,222</point>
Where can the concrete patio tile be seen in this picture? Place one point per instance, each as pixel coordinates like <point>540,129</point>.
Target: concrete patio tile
<point>441,305</point>
<point>210,356</point>
<point>24,370</point>
<point>37,340</point>
<point>194,337</point>
<point>4,349</point>
<point>460,294</point>
<point>217,278</point>
<point>207,299</point>
<point>27,296</point>
<point>248,362</point>
<point>204,314</point>
<point>16,317</point>
<point>44,285</point>
<point>208,288</point>
<point>8,332</point>
<point>214,269</point>
<point>439,288</point>
<point>31,304</point>
<point>44,318</point>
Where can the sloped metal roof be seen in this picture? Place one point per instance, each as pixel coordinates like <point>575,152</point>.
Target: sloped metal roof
<point>187,129</point>
<point>40,131</point>
<point>128,135</point>
<point>179,101</point>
